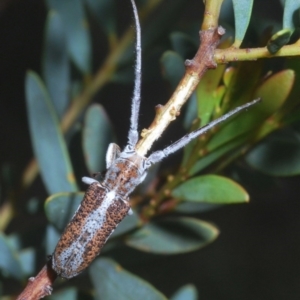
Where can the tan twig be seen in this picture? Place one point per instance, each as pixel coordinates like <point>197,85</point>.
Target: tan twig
<point>224,56</point>
<point>195,69</point>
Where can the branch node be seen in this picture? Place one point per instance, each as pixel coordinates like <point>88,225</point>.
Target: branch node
<point>48,290</point>
<point>221,31</point>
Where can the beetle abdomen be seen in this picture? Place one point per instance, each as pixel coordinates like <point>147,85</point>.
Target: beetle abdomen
<point>98,215</point>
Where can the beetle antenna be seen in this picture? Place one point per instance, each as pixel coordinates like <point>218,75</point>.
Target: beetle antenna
<point>136,99</point>
<point>161,154</point>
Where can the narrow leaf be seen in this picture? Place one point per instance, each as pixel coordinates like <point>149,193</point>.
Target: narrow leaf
<point>277,155</point>
<point>273,92</point>
<point>211,157</point>
<point>129,223</point>
<point>242,14</point>
<point>211,189</point>
<point>48,142</point>
<point>173,236</point>
<point>56,71</point>
<point>195,207</point>
<point>229,74</point>
<point>61,207</point>
<point>111,281</point>
<point>27,258</point>
<point>293,101</point>
<point>76,28</point>
<point>190,112</point>
<point>52,237</point>
<point>208,95</point>
<point>278,40</point>
<point>47,139</point>
<point>9,262</point>
<point>291,14</point>
<point>97,134</point>
<point>187,292</point>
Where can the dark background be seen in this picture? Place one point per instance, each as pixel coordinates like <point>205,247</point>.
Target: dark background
<point>257,253</point>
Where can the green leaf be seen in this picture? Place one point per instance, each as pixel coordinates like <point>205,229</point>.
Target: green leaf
<point>240,82</point>
<point>173,236</point>
<point>195,207</point>
<point>173,67</point>
<point>47,139</point>
<point>105,14</point>
<point>278,40</point>
<point>27,258</point>
<point>15,241</point>
<point>111,281</point>
<point>52,237</point>
<point>9,261</point>
<point>291,7</point>
<point>211,157</point>
<point>76,28</point>
<point>211,189</point>
<point>187,292</point>
<point>65,294</point>
<point>190,112</point>
<point>208,94</point>
<point>277,155</point>
<point>129,223</point>
<point>56,71</point>
<point>229,74</point>
<point>61,207</point>
<point>242,14</point>
<point>97,134</point>
<point>273,91</point>
<point>292,105</point>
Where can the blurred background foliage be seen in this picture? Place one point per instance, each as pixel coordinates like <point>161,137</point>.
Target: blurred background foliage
<point>66,78</point>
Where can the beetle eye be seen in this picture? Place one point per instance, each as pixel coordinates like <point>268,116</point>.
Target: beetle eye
<point>129,149</point>
<point>147,164</point>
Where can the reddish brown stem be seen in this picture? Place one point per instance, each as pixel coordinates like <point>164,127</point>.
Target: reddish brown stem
<point>39,286</point>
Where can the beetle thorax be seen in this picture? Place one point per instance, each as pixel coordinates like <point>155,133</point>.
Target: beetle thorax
<point>125,173</point>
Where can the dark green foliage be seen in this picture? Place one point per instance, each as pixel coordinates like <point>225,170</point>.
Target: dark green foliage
<point>112,282</point>
<point>94,144</point>
<point>203,189</point>
<point>173,236</point>
<point>48,142</point>
<point>167,206</point>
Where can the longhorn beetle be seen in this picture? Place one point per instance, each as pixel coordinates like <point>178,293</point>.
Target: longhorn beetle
<point>106,203</point>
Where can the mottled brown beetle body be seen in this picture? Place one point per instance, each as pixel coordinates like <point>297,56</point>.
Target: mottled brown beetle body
<point>103,207</point>
<point>106,204</point>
